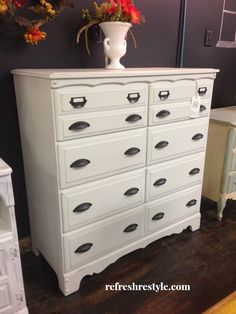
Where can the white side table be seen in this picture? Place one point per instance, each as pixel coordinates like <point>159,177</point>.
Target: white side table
<point>220,168</point>
<point>12,296</point>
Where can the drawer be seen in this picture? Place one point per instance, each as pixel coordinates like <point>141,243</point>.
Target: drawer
<point>175,140</point>
<point>88,159</point>
<point>2,265</point>
<point>9,281</point>
<point>174,175</point>
<point>171,112</point>
<point>100,239</point>
<point>232,182</point>
<point>171,209</point>
<point>95,200</point>
<point>77,99</point>
<point>85,124</point>
<point>5,303</point>
<point>167,91</point>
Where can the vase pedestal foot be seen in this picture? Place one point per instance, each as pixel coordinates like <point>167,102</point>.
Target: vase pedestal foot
<point>115,66</point>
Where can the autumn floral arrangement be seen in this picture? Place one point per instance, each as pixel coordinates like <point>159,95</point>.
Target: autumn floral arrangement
<point>31,15</point>
<point>110,11</point>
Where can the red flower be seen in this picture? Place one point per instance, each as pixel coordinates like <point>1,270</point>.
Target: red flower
<point>34,35</point>
<point>19,3</point>
<point>126,5</point>
<point>113,7</point>
<point>135,15</point>
<point>128,9</point>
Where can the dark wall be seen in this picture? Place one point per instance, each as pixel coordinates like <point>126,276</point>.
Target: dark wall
<point>202,15</point>
<point>157,46</point>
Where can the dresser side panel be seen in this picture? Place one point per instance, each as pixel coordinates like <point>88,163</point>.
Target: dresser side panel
<point>35,112</point>
<point>215,154</point>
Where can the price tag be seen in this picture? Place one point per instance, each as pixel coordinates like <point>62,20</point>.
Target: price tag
<point>195,107</point>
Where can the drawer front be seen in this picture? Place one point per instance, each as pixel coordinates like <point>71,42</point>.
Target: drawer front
<point>232,139</point>
<point>171,209</point>
<point>175,140</point>
<point>232,182</point>
<point>5,303</point>
<point>166,91</point>
<point>172,176</point>
<point>77,99</point>
<point>95,200</point>
<point>9,281</point>
<point>171,112</point>
<point>84,160</point>
<point>81,125</point>
<point>102,238</point>
<point>2,265</point>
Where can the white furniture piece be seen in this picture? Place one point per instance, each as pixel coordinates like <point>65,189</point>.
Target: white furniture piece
<point>12,296</point>
<point>220,174</point>
<point>113,160</point>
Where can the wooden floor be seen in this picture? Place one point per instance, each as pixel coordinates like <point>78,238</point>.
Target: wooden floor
<point>205,259</point>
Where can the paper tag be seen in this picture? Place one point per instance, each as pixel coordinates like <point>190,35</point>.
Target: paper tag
<point>195,107</point>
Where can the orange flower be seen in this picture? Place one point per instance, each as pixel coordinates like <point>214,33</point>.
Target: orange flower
<point>3,7</point>
<point>34,35</point>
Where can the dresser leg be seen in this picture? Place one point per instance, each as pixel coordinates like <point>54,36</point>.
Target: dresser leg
<point>70,282</point>
<point>196,225</point>
<point>220,207</point>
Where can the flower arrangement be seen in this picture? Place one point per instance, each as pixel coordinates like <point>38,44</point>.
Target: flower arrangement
<point>111,11</point>
<point>31,15</point>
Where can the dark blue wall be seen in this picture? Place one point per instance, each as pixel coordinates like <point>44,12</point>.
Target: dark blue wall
<point>202,15</point>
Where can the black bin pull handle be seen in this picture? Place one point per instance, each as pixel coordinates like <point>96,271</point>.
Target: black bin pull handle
<point>133,118</point>
<point>160,182</point>
<point>131,191</point>
<point>202,91</point>
<point>78,102</point>
<point>132,151</point>
<point>83,248</point>
<point>158,216</point>
<point>80,163</point>
<point>82,208</point>
<point>164,94</point>
<point>163,114</point>
<point>197,137</point>
<point>133,97</point>
<point>162,144</point>
<point>202,108</point>
<point>191,203</point>
<point>194,171</point>
<point>78,126</point>
<point>131,228</point>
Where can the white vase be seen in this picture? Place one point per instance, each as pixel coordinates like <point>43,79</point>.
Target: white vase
<point>115,43</point>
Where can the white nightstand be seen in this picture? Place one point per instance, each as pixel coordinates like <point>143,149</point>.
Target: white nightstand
<point>220,168</point>
<point>12,296</point>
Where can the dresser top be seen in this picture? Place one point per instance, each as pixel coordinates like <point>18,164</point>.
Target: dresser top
<point>225,115</point>
<point>4,168</point>
<point>98,73</point>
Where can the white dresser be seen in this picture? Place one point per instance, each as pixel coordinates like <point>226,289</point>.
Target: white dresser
<point>113,160</point>
<point>12,296</point>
